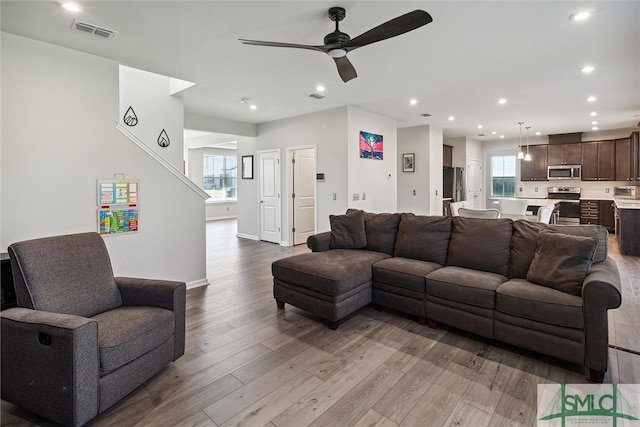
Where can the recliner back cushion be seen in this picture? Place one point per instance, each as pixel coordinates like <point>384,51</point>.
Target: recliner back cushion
<point>68,274</point>
<point>525,240</point>
<point>481,244</point>
<point>381,230</point>
<point>423,237</point>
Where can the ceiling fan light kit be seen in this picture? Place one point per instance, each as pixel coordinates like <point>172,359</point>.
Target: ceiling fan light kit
<point>337,44</point>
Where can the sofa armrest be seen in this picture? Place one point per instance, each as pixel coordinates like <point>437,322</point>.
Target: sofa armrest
<point>167,294</point>
<point>319,242</point>
<point>50,364</point>
<point>601,291</point>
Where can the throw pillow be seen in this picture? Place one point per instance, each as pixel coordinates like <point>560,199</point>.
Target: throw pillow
<point>562,261</point>
<point>423,237</point>
<point>381,230</point>
<point>347,231</point>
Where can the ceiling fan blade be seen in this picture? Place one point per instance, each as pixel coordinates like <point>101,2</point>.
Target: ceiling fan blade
<point>345,69</point>
<point>278,44</point>
<point>400,25</point>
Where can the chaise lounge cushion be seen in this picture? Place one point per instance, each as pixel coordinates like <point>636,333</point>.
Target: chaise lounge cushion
<point>347,231</point>
<point>562,261</point>
<point>415,230</point>
<point>330,272</point>
<point>527,300</point>
<point>481,244</point>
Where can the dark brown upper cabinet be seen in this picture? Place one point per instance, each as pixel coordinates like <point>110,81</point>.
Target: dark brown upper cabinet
<point>565,154</point>
<point>536,169</point>
<point>447,156</point>
<point>598,161</point>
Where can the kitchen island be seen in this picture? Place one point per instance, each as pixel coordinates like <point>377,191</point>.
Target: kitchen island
<point>627,217</point>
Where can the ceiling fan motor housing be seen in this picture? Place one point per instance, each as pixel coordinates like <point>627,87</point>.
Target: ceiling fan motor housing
<point>336,14</point>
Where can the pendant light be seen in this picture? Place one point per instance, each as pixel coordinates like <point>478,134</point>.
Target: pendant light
<point>520,153</point>
<point>527,157</point>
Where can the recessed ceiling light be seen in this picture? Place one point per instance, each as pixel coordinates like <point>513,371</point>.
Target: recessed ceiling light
<point>71,7</point>
<point>593,113</point>
<point>321,88</point>
<point>480,126</point>
<point>451,118</point>
<point>580,16</point>
<point>494,132</point>
<point>502,101</point>
<point>538,133</point>
<point>253,106</point>
<point>591,99</point>
<point>594,122</point>
<point>587,69</point>
<point>501,136</point>
<point>594,128</point>
<point>413,101</point>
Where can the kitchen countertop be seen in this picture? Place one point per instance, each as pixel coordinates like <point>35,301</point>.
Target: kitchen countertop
<point>627,204</point>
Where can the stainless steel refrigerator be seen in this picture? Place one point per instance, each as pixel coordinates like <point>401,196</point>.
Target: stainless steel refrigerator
<point>454,184</point>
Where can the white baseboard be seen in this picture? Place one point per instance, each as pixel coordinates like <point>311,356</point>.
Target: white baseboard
<point>246,236</point>
<point>197,283</point>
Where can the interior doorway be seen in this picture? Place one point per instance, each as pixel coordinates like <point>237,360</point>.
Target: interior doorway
<point>303,194</point>
<point>474,183</point>
<point>269,192</point>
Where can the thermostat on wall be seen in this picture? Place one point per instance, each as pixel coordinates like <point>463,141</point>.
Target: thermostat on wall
<point>319,177</point>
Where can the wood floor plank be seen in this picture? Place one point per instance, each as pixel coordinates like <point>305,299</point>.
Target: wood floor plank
<point>467,415</point>
<point>374,419</point>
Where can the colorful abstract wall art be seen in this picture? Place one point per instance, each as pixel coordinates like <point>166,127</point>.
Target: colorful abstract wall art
<point>371,146</point>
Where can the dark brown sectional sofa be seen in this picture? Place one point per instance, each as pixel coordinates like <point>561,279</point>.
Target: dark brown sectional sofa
<point>546,288</point>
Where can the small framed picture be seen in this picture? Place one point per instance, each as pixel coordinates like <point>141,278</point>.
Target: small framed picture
<point>247,167</point>
<point>408,162</point>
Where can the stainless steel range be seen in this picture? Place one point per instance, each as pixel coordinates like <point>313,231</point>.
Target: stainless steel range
<point>568,201</point>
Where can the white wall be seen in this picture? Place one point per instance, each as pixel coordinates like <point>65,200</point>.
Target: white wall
<point>327,131</point>
<point>148,94</point>
<point>377,179</point>
<point>426,143</point>
<point>60,108</point>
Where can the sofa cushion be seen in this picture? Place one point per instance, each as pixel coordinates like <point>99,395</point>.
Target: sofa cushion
<point>381,230</point>
<point>562,261</point>
<point>527,300</point>
<point>472,287</point>
<point>480,244</point>
<point>525,241</point>
<point>128,332</point>
<point>347,231</point>
<point>423,237</point>
<point>404,272</point>
<point>330,272</point>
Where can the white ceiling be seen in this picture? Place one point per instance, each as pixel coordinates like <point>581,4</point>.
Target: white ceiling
<point>472,54</point>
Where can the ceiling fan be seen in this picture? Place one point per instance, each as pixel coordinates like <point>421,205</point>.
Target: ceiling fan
<point>337,44</point>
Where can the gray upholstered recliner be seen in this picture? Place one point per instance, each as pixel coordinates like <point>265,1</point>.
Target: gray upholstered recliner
<point>80,340</point>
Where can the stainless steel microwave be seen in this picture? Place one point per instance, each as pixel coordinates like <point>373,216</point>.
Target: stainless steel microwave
<point>564,172</point>
<point>626,192</point>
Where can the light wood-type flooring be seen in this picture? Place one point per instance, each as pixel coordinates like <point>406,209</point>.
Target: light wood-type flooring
<point>247,363</point>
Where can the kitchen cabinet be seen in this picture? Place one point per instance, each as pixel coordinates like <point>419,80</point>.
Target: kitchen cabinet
<point>565,154</point>
<point>607,217</point>
<point>447,156</point>
<point>536,169</point>
<point>598,161</point>
<point>590,212</point>
<point>628,158</point>
<point>629,231</point>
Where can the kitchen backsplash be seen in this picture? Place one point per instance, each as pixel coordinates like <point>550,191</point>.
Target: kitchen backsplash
<point>602,190</point>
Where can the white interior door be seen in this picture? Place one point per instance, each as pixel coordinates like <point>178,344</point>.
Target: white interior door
<point>474,183</point>
<point>269,175</point>
<point>304,194</point>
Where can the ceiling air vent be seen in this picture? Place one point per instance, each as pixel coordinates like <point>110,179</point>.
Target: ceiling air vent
<point>316,96</point>
<point>425,115</point>
<point>94,29</point>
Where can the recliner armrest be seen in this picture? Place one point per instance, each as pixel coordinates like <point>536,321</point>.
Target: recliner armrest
<point>50,364</point>
<point>167,294</point>
<point>319,242</point>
